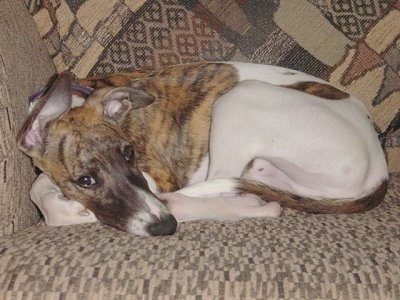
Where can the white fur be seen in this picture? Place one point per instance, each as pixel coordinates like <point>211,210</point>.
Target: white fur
<point>138,225</point>
<point>56,209</point>
<point>295,141</point>
<point>151,182</point>
<point>154,206</point>
<point>222,208</point>
<point>321,148</point>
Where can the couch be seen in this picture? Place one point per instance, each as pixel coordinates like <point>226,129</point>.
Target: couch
<point>352,44</point>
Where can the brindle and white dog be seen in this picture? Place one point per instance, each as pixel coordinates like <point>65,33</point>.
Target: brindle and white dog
<point>234,140</point>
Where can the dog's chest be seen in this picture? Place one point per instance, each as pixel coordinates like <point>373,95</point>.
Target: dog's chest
<point>201,173</point>
<point>173,133</point>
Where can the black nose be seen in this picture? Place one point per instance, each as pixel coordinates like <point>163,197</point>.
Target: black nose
<point>166,226</point>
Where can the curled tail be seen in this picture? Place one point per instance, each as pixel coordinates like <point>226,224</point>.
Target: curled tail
<point>322,206</point>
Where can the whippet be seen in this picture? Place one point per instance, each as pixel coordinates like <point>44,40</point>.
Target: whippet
<point>221,141</point>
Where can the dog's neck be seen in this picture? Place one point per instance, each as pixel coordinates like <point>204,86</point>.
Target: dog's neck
<point>183,100</point>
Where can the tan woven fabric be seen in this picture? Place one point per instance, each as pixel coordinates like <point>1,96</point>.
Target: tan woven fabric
<point>24,65</point>
<point>296,256</point>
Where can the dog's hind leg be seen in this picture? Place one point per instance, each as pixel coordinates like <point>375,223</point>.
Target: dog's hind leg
<point>262,170</point>
<point>57,209</point>
<point>221,208</point>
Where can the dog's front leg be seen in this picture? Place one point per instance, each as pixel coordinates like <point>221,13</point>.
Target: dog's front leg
<point>55,207</point>
<point>220,208</point>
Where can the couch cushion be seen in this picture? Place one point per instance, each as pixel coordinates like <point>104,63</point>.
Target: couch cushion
<point>296,256</point>
<point>24,65</point>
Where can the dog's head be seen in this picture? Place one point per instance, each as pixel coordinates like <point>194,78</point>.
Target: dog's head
<point>85,151</point>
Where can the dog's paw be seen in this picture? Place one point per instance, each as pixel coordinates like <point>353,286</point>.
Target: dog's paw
<point>171,199</point>
<point>58,210</point>
<point>272,209</point>
<point>183,208</point>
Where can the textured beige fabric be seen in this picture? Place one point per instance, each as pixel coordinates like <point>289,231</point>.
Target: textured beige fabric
<point>296,256</point>
<point>24,66</point>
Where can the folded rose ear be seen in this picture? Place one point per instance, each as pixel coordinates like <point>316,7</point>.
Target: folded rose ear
<point>51,106</point>
<point>119,101</point>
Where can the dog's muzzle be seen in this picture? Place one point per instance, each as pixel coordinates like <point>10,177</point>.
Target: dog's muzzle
<point>147,224</point>
<point>166,226</point>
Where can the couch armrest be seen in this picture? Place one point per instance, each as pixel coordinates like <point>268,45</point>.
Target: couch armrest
<point>24,66</point>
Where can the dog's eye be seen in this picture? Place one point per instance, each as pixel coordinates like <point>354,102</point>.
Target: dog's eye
<point>86,181</point>
<point>128,153</point>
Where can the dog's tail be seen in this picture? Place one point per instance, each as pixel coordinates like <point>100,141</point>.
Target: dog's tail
<point>322,206</point>
<point>287,199</point>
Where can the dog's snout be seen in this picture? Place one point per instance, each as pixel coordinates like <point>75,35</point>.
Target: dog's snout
<point>166,226</point>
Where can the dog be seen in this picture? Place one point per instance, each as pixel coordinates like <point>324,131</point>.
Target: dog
<point>223,141</point>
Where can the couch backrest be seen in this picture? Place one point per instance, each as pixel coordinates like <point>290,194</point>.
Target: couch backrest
<point>24,66</point>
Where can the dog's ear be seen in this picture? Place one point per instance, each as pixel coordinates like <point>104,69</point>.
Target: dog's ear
<point>119,101</point>
<point>57,101</point>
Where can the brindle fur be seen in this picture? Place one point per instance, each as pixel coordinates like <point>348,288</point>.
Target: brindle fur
<point>180,117</point>
<point>76,151</point>
<point>326,206</point>
<point>83,141</point>
<point>318,89</point>
<point>170,138</point>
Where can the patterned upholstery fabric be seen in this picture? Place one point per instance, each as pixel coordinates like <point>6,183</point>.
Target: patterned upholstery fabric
<point>296,256</point>
<point>353,44</point>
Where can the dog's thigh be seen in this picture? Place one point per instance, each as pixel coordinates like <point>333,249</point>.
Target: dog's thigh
<point>264,171</point>
<point>57,209</point>
<point>219,208</point>
<point>229,148</point>
<point>326,148</point>
<point>246,123</point>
